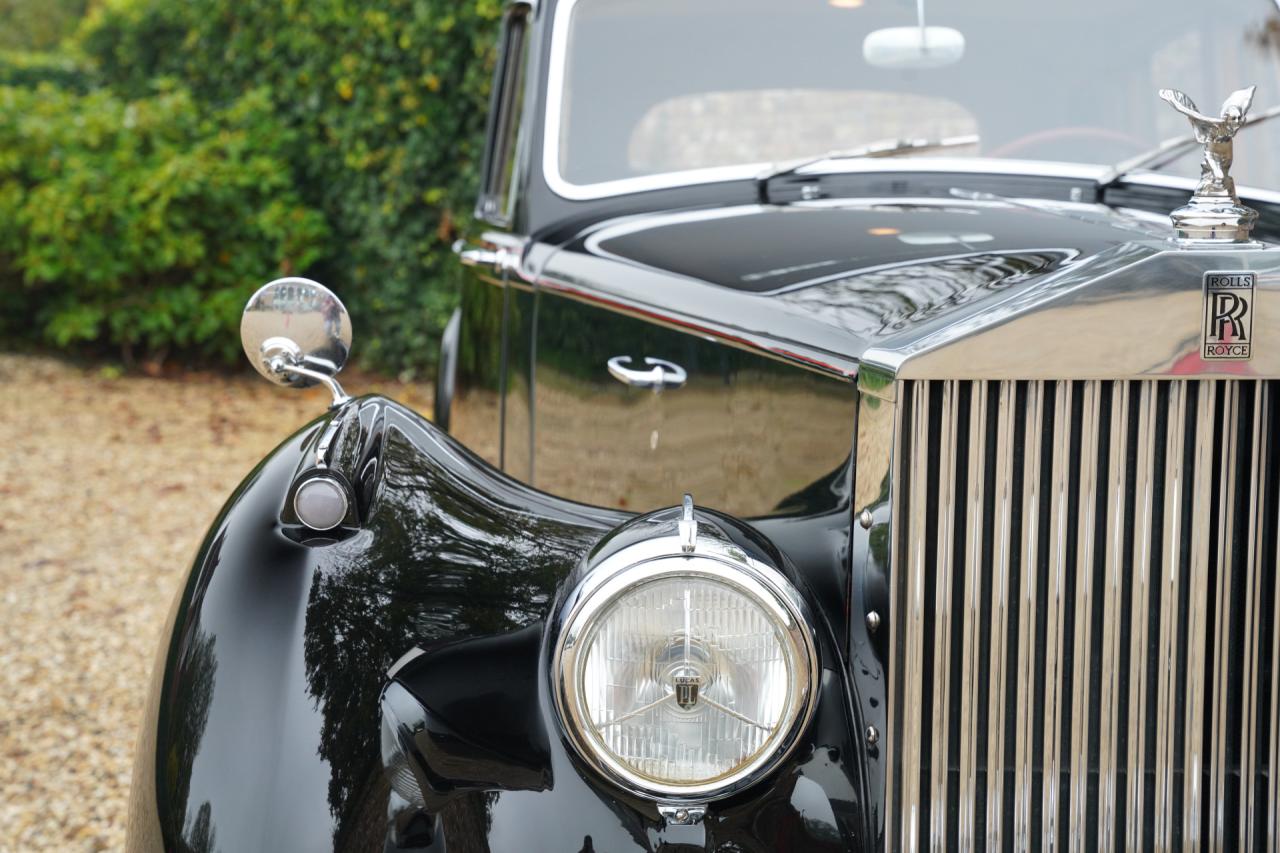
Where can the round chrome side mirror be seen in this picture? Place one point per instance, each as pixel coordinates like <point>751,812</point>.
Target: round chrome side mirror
<point>296,332</point>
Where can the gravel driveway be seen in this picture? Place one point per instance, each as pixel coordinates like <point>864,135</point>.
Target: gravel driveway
<point>106,488</point>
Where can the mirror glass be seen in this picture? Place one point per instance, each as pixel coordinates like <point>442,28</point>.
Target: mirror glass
<point>299,323</point>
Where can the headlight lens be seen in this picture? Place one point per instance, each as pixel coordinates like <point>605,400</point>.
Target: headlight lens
<point>686,675</point>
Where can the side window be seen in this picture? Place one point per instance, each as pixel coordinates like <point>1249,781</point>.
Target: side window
<point>496,198</point>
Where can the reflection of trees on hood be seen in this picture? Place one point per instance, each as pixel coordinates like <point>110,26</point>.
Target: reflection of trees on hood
<point>194,697</point>
<point>438,561</point>
<point>884,301</point>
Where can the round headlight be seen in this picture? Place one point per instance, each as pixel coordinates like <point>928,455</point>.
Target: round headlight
<point>685,674</point>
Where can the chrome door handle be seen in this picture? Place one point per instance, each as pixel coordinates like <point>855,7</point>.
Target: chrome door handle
<point>661,374</point>
<point>501,252</point>
<point>477,256</point>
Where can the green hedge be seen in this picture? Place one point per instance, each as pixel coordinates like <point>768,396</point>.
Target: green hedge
<point>37,24</point>
<point>385,101</point>
<point>144,224</point>
<point>18,68</point>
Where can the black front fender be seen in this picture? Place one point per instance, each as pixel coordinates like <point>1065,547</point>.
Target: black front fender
<point>264,733</point>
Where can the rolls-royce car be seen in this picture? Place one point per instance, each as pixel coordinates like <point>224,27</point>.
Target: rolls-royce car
<point>851,438</point>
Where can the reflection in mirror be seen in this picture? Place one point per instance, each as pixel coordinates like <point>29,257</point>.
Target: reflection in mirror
<point>296,332</point>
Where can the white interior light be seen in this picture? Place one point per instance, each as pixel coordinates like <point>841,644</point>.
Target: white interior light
<point>686,674</point>
<point>914,48</point>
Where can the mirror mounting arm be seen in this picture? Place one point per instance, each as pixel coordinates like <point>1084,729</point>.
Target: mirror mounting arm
<point>330,382</point>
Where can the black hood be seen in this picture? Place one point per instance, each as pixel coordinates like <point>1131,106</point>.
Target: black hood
<point>775,249</point>
<point>835,277</point>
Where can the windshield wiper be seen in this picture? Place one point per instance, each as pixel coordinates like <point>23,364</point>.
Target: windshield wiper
<point>880,148</point>
<point>1168,151</point>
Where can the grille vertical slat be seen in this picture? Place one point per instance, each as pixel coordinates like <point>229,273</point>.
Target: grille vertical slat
<point>942,626</point>
<point>1222,614</point>
<point>917,493</point>
<point>1024,754</point>
<point>1112,592</point>
<point>1198,617</point>
<point>971,659</point>
<point>1274,763</point>
<point>1091,420</point>
<point>1055,615</point>
<point>1144,508</point>
<point>1253,622</point>
<point>1087,570</point>
<point>1002,566</point>
<point>1169,589</point>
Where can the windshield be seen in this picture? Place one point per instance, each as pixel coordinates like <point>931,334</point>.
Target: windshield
<point>647,93</point>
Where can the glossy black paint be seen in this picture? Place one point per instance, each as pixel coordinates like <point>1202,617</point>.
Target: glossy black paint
<point>742,434</point>
<point>266,737</point>
<point>777,249</point>
<point>817,285</point>
<point>447,372</point>
<point>483,725</point>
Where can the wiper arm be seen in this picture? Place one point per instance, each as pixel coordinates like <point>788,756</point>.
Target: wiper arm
<point>880,148</point>
<point>1168,151</point>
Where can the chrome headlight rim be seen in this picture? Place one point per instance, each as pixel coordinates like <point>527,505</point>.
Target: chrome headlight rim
<point>656,559</point>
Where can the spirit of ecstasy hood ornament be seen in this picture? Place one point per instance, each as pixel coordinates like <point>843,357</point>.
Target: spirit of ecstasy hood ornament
<point>1214,212</point>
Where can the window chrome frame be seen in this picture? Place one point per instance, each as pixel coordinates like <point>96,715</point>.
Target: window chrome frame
<point>554,113</point>
<point>660,557</point>
<point>561,186</point>
<point>504,127</point>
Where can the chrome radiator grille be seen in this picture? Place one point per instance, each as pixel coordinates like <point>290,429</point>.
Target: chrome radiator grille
<point>1083,651</point>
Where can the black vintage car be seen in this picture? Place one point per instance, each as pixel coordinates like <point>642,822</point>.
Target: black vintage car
<point>921,493</point>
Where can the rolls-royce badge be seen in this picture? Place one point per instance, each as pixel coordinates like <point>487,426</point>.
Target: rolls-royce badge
<point>1228,315</point>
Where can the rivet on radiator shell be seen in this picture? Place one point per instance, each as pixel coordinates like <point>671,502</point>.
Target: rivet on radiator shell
<point>873,736</point>
<point>873,621</point>
<point>866,519</point>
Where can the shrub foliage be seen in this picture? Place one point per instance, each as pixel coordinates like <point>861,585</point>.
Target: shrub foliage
<point>350,160</point>
<point>27,68</point>
<point>143,224</point>
<point>386,101</point>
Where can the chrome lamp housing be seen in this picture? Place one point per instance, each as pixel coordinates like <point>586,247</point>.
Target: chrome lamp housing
<point>685,667</point>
